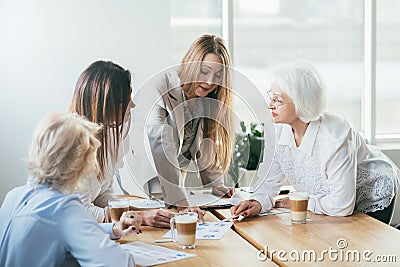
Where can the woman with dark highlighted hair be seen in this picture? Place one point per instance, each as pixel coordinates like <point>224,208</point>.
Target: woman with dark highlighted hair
<point>103,95</point>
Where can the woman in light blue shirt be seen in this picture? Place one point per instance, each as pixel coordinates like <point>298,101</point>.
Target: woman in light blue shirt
<point>41,224</point>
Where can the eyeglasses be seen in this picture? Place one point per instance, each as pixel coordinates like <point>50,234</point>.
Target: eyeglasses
<point>275,100</point>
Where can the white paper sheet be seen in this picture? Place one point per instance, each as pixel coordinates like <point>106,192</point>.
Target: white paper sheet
<point>208,230</point>
<point>149,255</point>
<point>146,203</point>
<point>274,211</point>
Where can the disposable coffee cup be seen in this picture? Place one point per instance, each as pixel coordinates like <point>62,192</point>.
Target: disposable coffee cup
<point>117,206</point>
<point>298,202</point>
<point>185,224</point>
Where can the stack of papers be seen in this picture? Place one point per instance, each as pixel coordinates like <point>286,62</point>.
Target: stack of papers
<point>149,255</point>
<point>208,230</point>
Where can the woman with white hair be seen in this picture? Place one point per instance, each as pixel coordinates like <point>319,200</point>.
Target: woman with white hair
<point>320,153</point>
<point>42,223</point>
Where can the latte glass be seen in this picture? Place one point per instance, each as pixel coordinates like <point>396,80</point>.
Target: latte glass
<point>185,224</point>
<point>298,207</point>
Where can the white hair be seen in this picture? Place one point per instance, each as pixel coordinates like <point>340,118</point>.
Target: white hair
<point>303,83</point>
<point>63,151</point>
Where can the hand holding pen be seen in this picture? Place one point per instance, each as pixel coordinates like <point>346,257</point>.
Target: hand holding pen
<point>234,218</point>
<point>246,208</point>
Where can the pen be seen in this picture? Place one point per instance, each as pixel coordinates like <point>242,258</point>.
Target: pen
<point>238,217</point>
<point>230,218</point>
<point>163,240</point>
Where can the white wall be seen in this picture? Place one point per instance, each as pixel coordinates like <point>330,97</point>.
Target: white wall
<point>46,44</point>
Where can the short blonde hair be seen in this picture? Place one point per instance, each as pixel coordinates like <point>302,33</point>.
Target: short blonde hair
<point>63,150</point>
<point>303,83</point>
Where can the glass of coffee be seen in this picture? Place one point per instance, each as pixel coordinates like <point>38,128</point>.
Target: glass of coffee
<point>117,206</point>
<point>298,202</point>
<point>186,223</point>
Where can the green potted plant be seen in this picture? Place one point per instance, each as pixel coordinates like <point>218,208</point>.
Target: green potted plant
<point>248,151</point>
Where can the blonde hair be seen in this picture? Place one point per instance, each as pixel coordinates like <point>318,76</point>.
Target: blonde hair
<point>219,128</point>
<point>63,151</point>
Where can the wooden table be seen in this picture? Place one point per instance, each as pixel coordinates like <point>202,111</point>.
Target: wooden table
<point>231,250</point>
<point>356,234</point>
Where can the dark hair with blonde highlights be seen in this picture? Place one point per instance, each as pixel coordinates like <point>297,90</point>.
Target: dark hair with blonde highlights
<point>102,94</point>
<point>219,128</point>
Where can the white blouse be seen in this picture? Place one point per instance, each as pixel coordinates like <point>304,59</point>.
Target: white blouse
<point>95,193</point>
<point>334,164</point>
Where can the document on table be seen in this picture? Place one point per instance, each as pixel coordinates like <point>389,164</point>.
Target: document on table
<point>208,230</point>
<point>146,203</point>
<point>149,255</point>
<point>274,211</point>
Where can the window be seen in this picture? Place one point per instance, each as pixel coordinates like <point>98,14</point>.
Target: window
<point>329,33</point>
<point>387,68</point>
<point>189,20</point>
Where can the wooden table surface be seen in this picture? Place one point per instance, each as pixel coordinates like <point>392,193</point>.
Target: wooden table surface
<point>360,234</point>
<point>231,250</point>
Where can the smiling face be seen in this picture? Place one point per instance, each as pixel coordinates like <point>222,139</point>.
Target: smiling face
<point>210,75</point>
<point>281,106</point>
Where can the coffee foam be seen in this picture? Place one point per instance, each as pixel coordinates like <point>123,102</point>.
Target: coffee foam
<point>185,219</point>
<point>298,196</point>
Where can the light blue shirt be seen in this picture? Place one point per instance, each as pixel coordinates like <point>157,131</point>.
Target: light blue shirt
<point>42,227</point>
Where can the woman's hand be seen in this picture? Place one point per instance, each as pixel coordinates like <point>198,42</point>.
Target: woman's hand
<point>129,223</point>
<point>222,190</point>
<point>282,203</point>
<point>246,208</point>
<point>156,217</point>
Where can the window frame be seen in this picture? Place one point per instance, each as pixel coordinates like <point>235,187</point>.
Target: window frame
<point>368,95</point>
